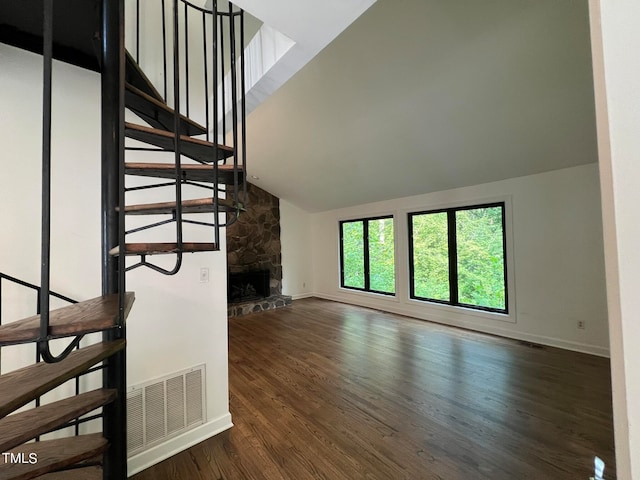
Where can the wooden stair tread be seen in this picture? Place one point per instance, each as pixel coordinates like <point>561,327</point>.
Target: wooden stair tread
<point>191,172</point>
<point>194,148</point>
<point>157,113</point>
<point>163,248</point>
<point>135,76</point>
<point>199,205</point>
<point>21,427</point>
<point>87,473</point>
<point>93,315</point>
<point>52,455</point>
<point>21,386</point>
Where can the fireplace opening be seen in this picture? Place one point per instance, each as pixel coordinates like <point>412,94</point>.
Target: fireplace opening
<point>247,286</point>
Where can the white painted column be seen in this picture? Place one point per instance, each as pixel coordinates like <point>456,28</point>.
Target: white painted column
<point>616,58</point>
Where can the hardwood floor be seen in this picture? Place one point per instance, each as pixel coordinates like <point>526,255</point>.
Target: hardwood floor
<point>323,390</point>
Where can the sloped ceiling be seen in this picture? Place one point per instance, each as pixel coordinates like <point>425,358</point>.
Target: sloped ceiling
<point>425,95</point>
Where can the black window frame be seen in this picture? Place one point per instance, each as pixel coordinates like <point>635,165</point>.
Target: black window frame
<point>367,267</point>
<point>453,257</point>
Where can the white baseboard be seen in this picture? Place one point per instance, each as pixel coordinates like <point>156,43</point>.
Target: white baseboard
<point>551,342</point>
<point>394,307</point>
<point>302,295</point>
<point>154,455</point>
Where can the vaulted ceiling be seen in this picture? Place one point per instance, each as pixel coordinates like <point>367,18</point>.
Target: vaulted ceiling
<point>425,95</point>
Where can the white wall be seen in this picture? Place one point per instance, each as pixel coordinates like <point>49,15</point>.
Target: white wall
<point>176,322</point>
<point>308,27</point>
<point>556,255</point>
<point>615,45</point>
<point>75,242</point>
<point>295,237</point>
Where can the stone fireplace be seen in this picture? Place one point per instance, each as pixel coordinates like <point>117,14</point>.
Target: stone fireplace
<point>254,256</point>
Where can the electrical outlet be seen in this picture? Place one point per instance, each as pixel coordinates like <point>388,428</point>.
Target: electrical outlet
<point>204,275</point>
<point>581,324</point>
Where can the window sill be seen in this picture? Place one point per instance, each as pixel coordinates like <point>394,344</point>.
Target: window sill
<point>393,297</point>
<point>466,311</point>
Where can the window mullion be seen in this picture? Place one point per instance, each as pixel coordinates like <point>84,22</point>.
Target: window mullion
<point>367,267</point>
<point>504,258</point>
<point>411,259</point>
<point>341,254</point>
<point>453,257</point>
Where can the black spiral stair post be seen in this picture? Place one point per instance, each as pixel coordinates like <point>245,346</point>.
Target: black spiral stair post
<point>113,65</point>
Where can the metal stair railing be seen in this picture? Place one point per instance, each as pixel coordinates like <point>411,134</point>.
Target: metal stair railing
<point>8,279</point>
<point>217,31</point>
<point>114,368</point>
<point>45,257</point>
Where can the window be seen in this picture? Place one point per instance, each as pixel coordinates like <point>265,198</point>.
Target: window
<point>367,255</point>
<point>457,257</point>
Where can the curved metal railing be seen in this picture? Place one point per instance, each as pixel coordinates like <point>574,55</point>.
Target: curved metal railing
<point>200,54</point>
<point>4,278</point>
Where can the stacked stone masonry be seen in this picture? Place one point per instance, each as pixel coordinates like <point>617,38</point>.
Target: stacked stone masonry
<point>253,243</point>
<point>269,303</point>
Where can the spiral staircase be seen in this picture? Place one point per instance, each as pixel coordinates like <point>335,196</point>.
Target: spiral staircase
<point>90,34</point>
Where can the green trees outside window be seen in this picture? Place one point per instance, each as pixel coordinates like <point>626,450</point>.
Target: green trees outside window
<point>480,248</point>
<point>431,256</point>
<point>367,255</point>
<point>457,256</point>
<point>353,254</point>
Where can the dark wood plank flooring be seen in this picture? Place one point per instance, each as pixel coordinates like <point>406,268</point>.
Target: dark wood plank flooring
<point>323,390</point>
